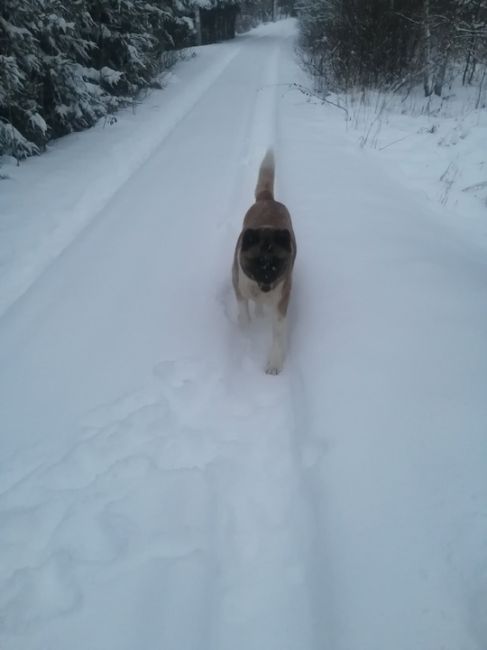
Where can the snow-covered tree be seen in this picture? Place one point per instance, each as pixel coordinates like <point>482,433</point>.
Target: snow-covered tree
<point>130,36</point>
<point>22,127</point>
<point>65,63</point>
<point>381,43</point>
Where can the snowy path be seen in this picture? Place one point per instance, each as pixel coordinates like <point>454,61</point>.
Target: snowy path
<point>158,490</point>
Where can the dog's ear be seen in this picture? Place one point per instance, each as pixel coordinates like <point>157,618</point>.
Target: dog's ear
<point>283,239</point>
<point>249,238</point>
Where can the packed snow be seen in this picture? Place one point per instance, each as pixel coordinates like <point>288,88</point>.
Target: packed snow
<point>157,488</point>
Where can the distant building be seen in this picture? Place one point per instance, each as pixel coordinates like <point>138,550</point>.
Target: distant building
<point>214,20</point>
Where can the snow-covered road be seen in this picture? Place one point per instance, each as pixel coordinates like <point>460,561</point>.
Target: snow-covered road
<point>158,490</point>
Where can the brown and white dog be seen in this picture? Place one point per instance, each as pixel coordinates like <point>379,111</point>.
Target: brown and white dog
<point>264,259</point>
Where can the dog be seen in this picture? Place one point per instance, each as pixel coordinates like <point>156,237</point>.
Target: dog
<point>264,260</point>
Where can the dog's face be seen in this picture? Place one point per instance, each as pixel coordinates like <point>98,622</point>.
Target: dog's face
<point>265,255</point>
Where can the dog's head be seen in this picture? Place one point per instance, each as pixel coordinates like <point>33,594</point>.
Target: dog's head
<point>266,255</point>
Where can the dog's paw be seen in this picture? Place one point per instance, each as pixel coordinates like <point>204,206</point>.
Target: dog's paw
<point>273,368</point>
<point>275,360</point>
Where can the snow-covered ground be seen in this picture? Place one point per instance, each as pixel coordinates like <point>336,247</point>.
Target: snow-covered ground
<point>158,490</point>
<point>438,147</point>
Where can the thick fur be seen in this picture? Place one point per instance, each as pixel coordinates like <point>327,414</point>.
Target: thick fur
<point>264,259</point>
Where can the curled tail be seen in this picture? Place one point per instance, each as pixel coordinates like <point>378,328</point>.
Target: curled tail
<point>264,190</point>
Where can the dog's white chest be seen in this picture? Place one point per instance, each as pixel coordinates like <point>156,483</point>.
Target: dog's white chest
<point>250,290</point>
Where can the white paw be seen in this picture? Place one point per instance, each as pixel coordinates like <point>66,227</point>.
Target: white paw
<point>272,370</point>
<point>274,366</point>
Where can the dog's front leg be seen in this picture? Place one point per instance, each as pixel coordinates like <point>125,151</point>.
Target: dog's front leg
<point>278,350</point>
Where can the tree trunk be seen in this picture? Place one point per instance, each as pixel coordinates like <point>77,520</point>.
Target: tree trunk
<point>428,63</point>
<point>197,24</point>
<point>441,72</point>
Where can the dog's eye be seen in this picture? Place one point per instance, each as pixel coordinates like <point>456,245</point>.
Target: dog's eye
<point>250,237</point>
<point>283,239</point>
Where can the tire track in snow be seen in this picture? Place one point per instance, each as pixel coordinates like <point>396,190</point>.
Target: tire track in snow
<point>264,535</point>
<point>309,448</point>
<point>182,507</point>
<point>90,204</point>
<point>262,523</point>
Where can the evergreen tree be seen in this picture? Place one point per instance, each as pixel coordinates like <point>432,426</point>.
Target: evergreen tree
<point>22,127</point>
<point>66,63</point>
